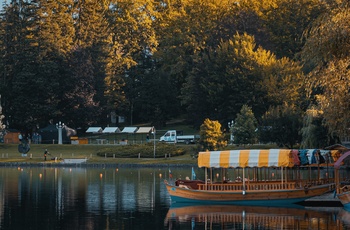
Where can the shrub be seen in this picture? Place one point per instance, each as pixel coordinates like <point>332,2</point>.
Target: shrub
<point>145,151</point>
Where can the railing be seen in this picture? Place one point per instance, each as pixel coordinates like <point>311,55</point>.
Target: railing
<point>268,185</point>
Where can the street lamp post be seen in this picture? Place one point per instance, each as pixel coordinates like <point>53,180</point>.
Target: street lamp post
<point>230,125</point>
<point>59,126</point>
<point>154,142</point>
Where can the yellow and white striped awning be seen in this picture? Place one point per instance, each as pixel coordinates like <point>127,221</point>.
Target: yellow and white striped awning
<point>246,158</point>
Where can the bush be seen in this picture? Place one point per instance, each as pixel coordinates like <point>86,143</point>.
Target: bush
<point>145,151</point>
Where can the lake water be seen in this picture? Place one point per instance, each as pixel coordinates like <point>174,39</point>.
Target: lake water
<point>133,198</point>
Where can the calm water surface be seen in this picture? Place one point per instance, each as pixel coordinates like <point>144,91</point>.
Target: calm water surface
<point>133,198</point>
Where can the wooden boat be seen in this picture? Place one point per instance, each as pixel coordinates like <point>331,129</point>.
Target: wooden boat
<point>250,191</point>
<point>342,186</point>
<point>250,217</point>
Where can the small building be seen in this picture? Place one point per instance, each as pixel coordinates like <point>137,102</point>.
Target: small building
<point>11,136</point>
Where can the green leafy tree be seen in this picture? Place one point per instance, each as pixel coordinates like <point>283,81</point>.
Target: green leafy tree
<point>244,127</point>
<point>314,133</point>
<point>211,136</point>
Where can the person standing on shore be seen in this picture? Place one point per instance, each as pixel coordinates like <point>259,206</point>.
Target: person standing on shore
<point>45,154</point>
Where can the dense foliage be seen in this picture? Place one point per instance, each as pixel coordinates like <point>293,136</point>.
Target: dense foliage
<point>281,125</point>
<point>2,126</point>
<point>84,62</point>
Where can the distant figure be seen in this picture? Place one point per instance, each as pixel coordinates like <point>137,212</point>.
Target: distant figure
<point>45,154</point>
<point>147,138</point>
<point>20,137</point>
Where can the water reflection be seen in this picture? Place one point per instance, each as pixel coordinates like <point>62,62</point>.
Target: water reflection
<point>251,217</point>
<point>135,198</point>
<point>80,198</point>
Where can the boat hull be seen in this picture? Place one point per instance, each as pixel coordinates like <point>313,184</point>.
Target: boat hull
<point>345,200</point>
<point>255,197</point>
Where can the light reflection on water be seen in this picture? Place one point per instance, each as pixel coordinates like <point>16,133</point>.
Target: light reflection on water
<point>131,198</point>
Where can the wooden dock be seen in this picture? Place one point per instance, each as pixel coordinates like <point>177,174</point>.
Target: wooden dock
<point>325,200</point>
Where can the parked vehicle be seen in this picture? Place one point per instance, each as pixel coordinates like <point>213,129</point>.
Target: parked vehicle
<point>175,137</point>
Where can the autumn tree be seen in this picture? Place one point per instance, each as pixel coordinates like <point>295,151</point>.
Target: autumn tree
<point>239,72</point>
<point>326,57</point>
<point>211,135</point>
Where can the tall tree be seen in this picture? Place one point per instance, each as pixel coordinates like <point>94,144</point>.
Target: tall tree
<point>33,100</point>
<point>132,42</point>
<point>92,37</point>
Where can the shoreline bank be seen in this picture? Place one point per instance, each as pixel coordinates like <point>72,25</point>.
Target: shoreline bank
<point>91,165</point>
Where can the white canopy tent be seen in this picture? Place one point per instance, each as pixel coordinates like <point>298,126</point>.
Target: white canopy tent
<point>94,130</point>
<point>111,130</point>
<point>129,130</point>
<point>144,130</point>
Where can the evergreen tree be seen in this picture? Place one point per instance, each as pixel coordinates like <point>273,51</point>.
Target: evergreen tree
<point>78,98</point>
<point>33,100</point>
<point>244,128</point>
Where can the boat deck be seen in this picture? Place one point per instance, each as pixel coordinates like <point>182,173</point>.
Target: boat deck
<point>255,185</point>
<point>325,200</point>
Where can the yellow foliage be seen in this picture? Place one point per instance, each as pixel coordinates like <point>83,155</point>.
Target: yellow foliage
<point>211,136</point>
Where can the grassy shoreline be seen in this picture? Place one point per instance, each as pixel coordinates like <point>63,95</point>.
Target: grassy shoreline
<point>9,154</point>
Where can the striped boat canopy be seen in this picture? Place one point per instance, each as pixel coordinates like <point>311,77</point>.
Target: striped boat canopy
<point>246,158</point>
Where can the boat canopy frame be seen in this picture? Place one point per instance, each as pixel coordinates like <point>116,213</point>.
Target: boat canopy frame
<point>247,158</point>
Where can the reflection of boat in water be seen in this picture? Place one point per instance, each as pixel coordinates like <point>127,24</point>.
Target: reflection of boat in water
<point>249,217</point>
<point>289,187</point>
<point>344,216</point>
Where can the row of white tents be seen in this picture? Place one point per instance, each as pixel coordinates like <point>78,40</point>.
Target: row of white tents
<point>97,130</point>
